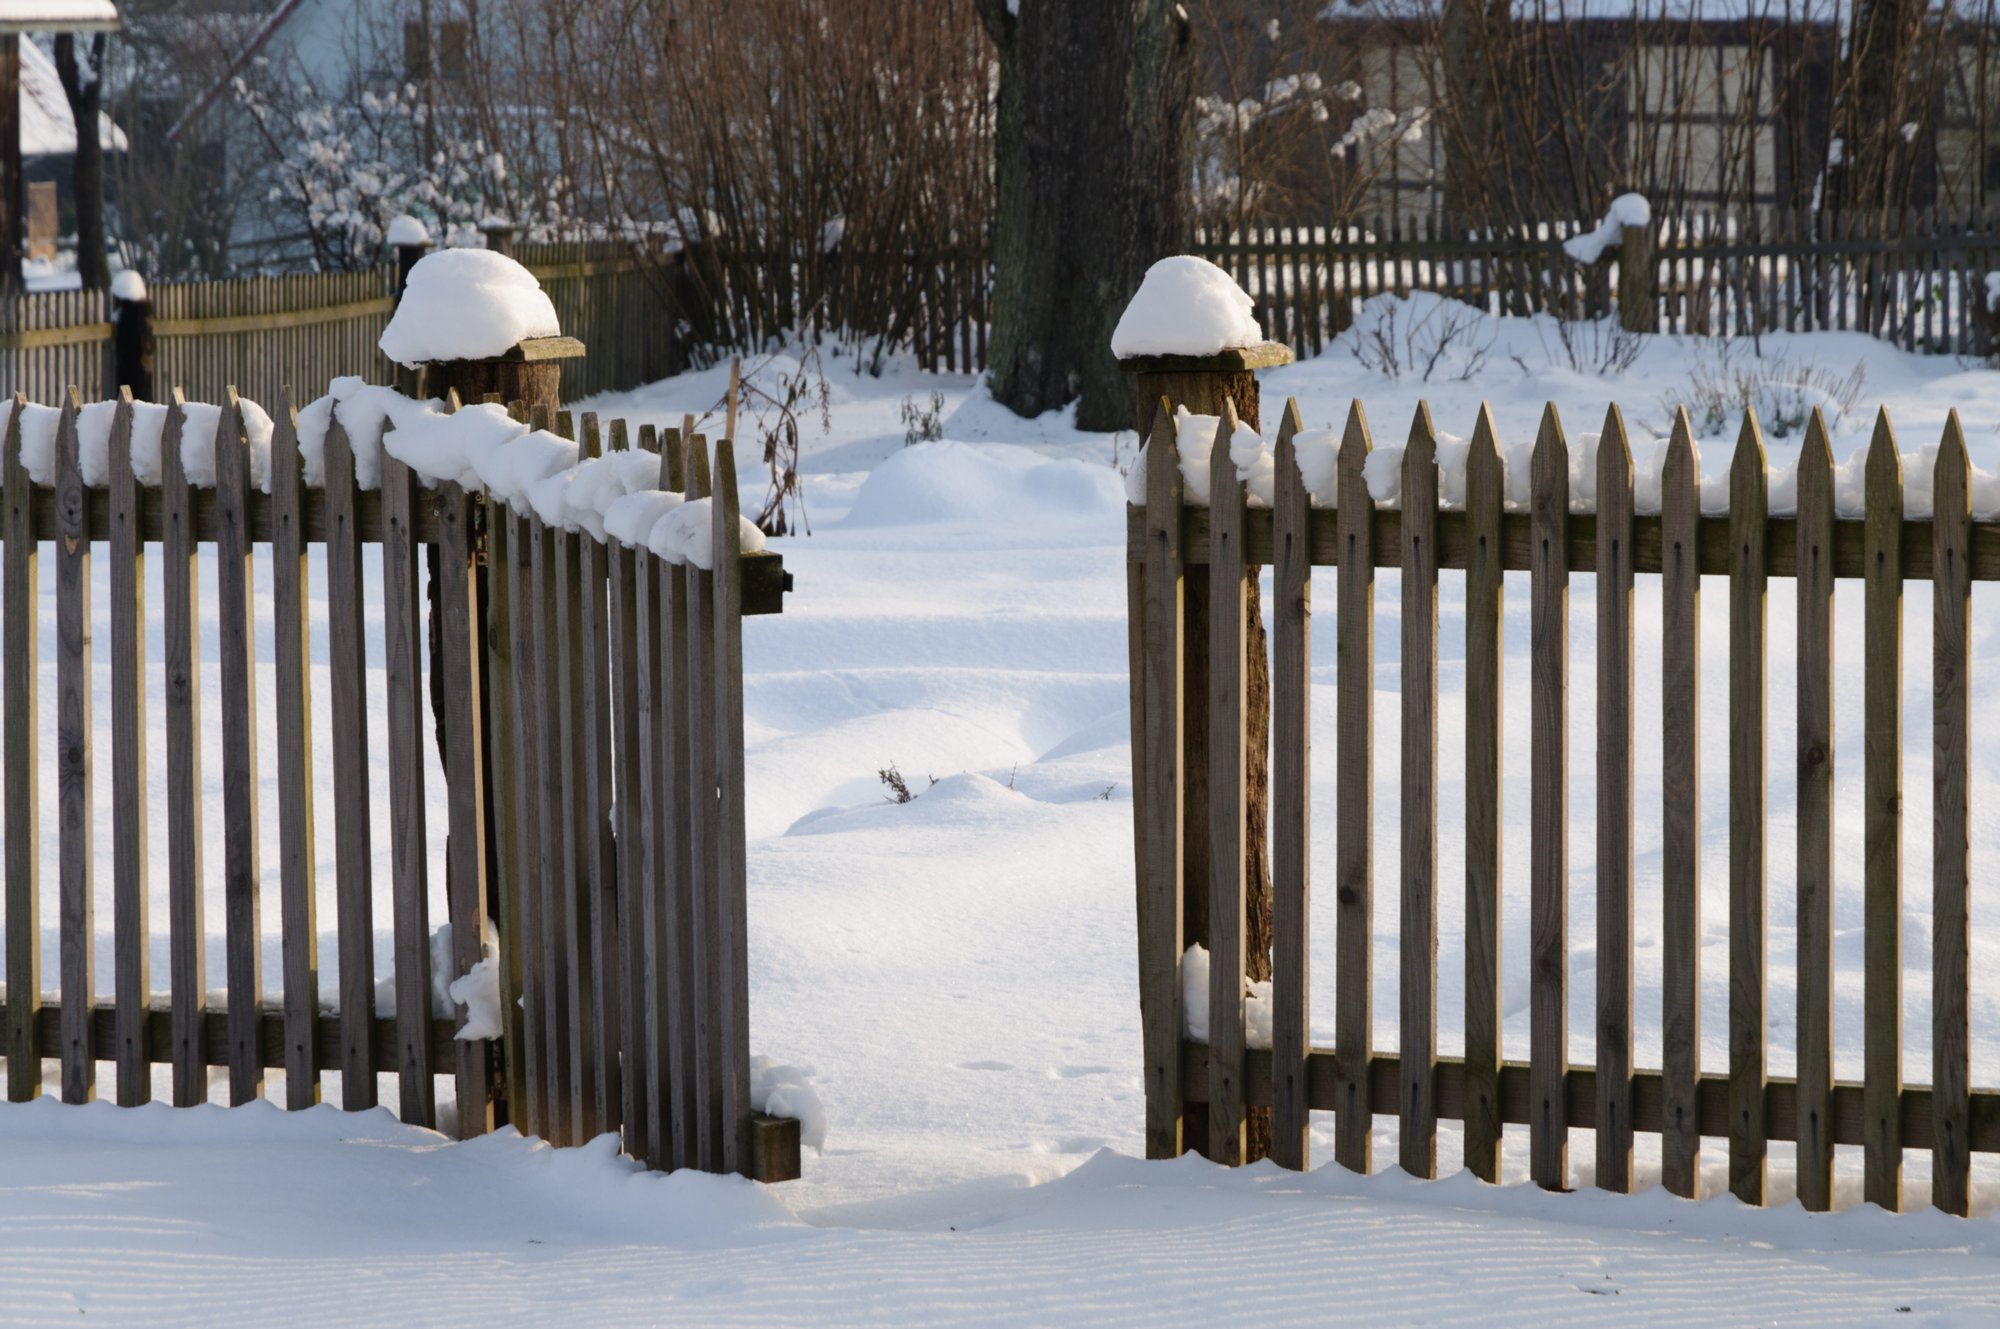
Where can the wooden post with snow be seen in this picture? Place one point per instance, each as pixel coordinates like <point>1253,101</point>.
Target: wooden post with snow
<point>1638,294</point>
<point>1174,340</point>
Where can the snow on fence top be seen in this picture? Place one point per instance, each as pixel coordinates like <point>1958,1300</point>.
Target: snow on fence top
<point>467,304</point>
<point>1318,451</point>
<point>1186,306</point>
<point>407,230</point>
<point>613,496</point>
<point>1626,210</point>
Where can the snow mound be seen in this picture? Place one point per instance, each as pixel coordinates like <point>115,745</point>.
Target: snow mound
<point>686,534</point>
<point>407,230</point>
<point>996,485</point>
<point>363,411</point>
<point>1194,438</point>
<point>129,286</point>
<point>1194,1002</point>
<point>443,447</point>
<point>1186,306</point>
<point>1626,210</point>
<point>466,304</point>
<point>786,1091</point>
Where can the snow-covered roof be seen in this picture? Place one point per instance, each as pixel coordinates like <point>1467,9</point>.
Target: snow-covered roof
<point>47,127</point>
<point>58,16</point>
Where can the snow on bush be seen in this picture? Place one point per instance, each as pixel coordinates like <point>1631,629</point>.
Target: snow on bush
<point>778,1090</point>
<point>1627,210</point>
<point>1186,306</point>
<point>1194,1002</point>
<point>466,304</point>
<point>478,991</point>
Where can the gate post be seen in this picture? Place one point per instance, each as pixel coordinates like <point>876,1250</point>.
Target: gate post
<point>1205,385</point>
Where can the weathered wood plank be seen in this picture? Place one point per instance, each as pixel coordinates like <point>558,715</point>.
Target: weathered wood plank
<point>1485,588</point>
<point>1159,905</point>
<point>181,633</point>
<point>347,669</point>
<point>409,851</point>
<point>675,935</point>
<point>129,894</point>
<point>1748,502</point>
<point>1548,973</point>
<point>1417,1136</point>
<point>732,871</point>
<point>577,888</point>
<point>600,876</point>
<point>75,879</point>
<point>20,670</point>
<point>241,879</point>
<point>1882,817</point>
<point>504,771</point>
<point>699,692</point>
<point>1354,891</point>
<point>1951,1069</point>
<point>1227,761</point>
<point>1815,850</point>
<point>465,796</point>
<point>631,809</point>
<point>559,1123</point>
<point>1680,815</point>
<point>1614,805</point>
<point>298,893</point>
<point>526,659</point>
<point>1291,805</point>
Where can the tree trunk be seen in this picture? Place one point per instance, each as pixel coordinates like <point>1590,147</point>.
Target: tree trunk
<point>84,90</point>
<point>1872,174</point>
<point>1091,146</point>
<point>1470,37</point>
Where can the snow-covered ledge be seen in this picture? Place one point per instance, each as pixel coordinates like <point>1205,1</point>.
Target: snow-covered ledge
<point>1191,316</point>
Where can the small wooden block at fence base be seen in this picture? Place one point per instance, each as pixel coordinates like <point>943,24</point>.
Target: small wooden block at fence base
<point>774,1149</point>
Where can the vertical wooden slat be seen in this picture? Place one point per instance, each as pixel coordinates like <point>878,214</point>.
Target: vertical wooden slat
<point>74,802</point>
<point>1417,1139</point>
<point>241,879</point>
<point>465,801</point>
<point>599,852</point>
<point>1951,1082</point>
<point>1227,761</point>
<point>1815,851</point>
<point>409,851</point>
<point>181,634</point>
<point>1882,862</point>
<point>354,863</point>
<point>525,664</point>
<point>732,871</point>
<point>674,936</point>
<point>578,829</point>
<point>131,986</point>
<point>550,801</point>
<point>505,771</point>
<point>1548,981</point>
<point>1159,906</point>
<point>21,597</point>
<point>1354,891</point>
<point>635,1047</point>
<point>1614,805</point>
<point>1748,507</point>
<point>299,929</point>
<point>1680,814</point>
<point>1291,801</point>
<point>698,687</point>
<point>1485,584</point>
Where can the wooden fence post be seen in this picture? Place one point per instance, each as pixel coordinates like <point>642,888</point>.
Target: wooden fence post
<point>1882,893</point>
<point>1354,891</point>
<point>1548,1124</point>
<point>1638,293</point>
<point>1291,803</point>
<point>1748,523</point>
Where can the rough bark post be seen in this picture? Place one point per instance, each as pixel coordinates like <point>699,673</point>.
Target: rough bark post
<point>83,87</point>
<point>12,195</point>
<point>132,346</point>
<point>406,258</point>
<point>1204,385</point>
<point>1092,136</point>
<point>1638,301</point>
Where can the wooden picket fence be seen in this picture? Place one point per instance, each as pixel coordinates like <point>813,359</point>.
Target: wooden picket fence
<point>611,680</point>
<point>1171,547</point>
<point>1916,281</point>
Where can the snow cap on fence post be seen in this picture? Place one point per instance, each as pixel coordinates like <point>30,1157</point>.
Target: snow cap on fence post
<point>476,322</point>
<point>132,334</point>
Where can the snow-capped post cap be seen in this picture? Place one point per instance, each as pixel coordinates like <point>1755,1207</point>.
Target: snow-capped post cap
<point>1189,314</point>
<point>128,285</point>
<point>479,323</point>
<point>406,231</point>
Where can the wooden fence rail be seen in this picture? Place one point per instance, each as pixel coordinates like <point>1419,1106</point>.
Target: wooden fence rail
<point>615,684</point>
<point>1681,1101</point>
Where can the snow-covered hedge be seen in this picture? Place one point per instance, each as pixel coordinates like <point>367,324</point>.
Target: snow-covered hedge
<point>1318,451</point>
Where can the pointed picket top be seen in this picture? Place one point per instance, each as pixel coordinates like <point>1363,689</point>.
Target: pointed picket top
<point>1350,484</point>
<point>1420,451</point>
<point>1816,458</point>
<point>1749,471</point>
<point>1614,459</point>
<point>173,471</point>
<point>1163,462</point>
<point>1485,436</point>
<point>1953,475</point>
<point>1549,467</point>
<point>725,535</point>
<point>1290,485</point>
<point>1355,435</point>
<point>284,461</point>
<point>673,461</point>
<point>1885,464</point>
<point>1224,487</point>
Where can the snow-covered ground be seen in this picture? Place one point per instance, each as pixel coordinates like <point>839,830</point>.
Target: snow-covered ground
<point>959,970</point>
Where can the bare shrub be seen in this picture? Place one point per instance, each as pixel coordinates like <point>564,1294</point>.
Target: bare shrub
<point>1784,392</point>
<point>1424,335</point>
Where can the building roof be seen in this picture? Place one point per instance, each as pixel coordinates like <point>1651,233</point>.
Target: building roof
<point>47,127</point>
<point>18,16</point>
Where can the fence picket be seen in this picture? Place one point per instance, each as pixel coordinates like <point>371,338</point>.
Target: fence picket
<point>1353,858</point>
<point>74,802</point>
<point>631,856</point>
<point>1680,814</point>
<point>241,879</point>
<point>550,887</point>
<point>1417,1138</point>
<point>181,633</point>
<point>1748,523</point>
<point>733,990</point>
<point>600,879</point>
<point>347,661</point>
<point>1160,896</point>
<point>1614,805</point>
<point>465,801</point>
<point>1815,851</point>
<point>20,603</point>
<point>1227,765</point>
<point>402,647</point>
<point>132,990</point>
<point>1291,769</point>
<point>674,933</point>
<point>1882,893</point>
<point>698,688</point>
<point>1951,1080</point>
<point>1548,984</point>
<point>299,927</point>
<point>1485,584</point>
